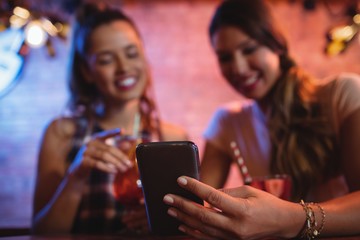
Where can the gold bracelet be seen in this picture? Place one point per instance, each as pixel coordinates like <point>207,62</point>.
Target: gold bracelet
<point>322,218</point>
<point>309,231</point>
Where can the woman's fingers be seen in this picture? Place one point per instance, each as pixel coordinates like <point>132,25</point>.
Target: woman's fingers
<point>218,199</point>
<point>100,165</point>
<point>102,152</point>
<point>102,156</point>
<point>108,152</point>
<point>196,216</point>
<point>203,222</point>
<point>240,192</point>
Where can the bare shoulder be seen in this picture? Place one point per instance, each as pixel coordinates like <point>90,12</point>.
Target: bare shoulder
<point>57,140</point>
<point>172,132</point>
<point>61,128</point>
<point>52,160</point>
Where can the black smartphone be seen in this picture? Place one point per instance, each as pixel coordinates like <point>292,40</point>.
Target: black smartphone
<point>160,164</point>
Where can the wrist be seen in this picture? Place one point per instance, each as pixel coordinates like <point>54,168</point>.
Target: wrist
<point>296,220</point>
<point>315,220</point>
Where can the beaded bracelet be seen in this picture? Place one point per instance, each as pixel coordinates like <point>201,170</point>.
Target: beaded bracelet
<point>322,217</point>
<point>310,230</point>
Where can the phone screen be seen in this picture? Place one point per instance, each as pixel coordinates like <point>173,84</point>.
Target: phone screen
<point>160,164</point>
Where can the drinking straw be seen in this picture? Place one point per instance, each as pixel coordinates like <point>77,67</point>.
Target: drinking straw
<point>240,162</point>
<point>136,127</point>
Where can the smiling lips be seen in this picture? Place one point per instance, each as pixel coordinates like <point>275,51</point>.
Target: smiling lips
<point>126,83</point>
<point>248,84</point>
<point>250,81</point>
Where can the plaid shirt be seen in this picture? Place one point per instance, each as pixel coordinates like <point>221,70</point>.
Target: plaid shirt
<point>99,212</point>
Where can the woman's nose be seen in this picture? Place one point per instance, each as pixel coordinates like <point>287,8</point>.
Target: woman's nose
<point>122,64</point>
<point>240,64</point>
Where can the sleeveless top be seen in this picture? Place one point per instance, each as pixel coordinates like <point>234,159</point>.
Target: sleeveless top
<point>99,212</point>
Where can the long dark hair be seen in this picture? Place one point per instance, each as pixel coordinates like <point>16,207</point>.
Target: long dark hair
<point>84,97</point>
<point>302,139</point>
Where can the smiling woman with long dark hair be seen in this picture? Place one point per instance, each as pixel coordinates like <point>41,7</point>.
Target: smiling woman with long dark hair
<point>110,88</point>
<point>290,122</point>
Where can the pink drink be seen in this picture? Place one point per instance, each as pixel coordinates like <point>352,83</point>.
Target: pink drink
<point>278,185</point>
<point>127,185</point>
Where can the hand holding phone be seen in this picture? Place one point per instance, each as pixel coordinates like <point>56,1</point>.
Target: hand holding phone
<point>160,164</point>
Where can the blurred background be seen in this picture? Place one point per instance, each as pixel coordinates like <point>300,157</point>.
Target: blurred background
<point>188,86</point>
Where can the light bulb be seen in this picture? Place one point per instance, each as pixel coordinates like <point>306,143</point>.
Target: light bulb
<point>35,35</point>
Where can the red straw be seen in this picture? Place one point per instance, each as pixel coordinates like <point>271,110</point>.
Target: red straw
<point>241,163</point>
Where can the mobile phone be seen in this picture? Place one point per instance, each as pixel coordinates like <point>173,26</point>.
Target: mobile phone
<point>160,164</point>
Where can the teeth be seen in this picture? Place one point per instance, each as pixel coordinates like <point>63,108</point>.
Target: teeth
<point>250,81</point>
<point>127,82</point>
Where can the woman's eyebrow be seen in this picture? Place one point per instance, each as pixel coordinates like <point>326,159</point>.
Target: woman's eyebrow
<point>131,46</point>
<point>245,43</point>
<point>241,45</point>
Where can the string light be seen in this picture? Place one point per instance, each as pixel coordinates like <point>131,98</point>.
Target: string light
<point>38,29</point>
<point>35,34</point>
<point>21,29</point>
<point>339,37</point>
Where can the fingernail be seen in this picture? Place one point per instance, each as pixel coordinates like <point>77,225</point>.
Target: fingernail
<point>129,163</point>
<point>181,228</point>
<point>168,199</point>
<point>112,168</point>
<point>110,142</point>
<point>172,213</point>
<point>182,181</point>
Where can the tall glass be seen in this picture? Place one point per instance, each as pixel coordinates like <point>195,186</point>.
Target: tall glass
<point>127,185</point>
